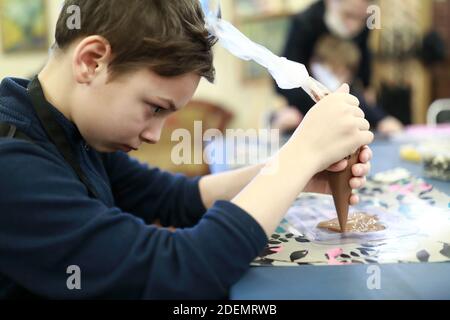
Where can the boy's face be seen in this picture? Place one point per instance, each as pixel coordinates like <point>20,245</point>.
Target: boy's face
<point>129,110</point>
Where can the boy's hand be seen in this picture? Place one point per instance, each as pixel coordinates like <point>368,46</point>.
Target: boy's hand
<point>389,125</point>
<point>319,183</point>
<point>287,119</point>
<point>333,129</point>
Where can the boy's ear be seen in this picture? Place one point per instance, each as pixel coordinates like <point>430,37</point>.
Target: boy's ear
<point>91,56</point>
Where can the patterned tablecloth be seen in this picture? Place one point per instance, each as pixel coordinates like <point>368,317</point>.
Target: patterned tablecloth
<point>423,208</point>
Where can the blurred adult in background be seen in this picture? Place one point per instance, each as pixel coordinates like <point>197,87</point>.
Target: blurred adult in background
<point>344,20</point>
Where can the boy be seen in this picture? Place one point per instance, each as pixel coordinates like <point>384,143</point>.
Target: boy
<point>335,61</point>
<point>71,198</point>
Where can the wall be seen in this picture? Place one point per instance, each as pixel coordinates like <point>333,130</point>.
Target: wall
<point>26,64</point>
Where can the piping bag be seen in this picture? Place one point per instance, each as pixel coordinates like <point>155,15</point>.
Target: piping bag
<point>288,75</point>
<point>341,190</point>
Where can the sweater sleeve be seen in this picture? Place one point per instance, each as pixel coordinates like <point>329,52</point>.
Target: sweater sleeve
<point>48,223</point>
<point>154,194</point>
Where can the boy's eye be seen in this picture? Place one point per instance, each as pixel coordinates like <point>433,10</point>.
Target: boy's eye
<point>155,108</point>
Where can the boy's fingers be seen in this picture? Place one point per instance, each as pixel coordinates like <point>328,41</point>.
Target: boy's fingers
<point>366,137</point>
<point>357,182</point>
<point>363,124</point>
<point>365,155</point>
<point>352,100</point>
<point>358,170</point>
<point>343,89</point>
<point>338,166</point>
<point>359,113</point>
<point>361,169</point>
<point>354,199</point>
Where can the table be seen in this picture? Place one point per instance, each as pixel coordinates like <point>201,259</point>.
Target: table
<point>397,281</point>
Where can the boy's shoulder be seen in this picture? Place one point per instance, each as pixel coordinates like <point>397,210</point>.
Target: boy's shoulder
<point>16,108</point>
<point>14,150</point>
<point>25,167</point>
<point>22,146</point>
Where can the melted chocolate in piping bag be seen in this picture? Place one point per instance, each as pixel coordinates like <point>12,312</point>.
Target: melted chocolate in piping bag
<point>341,190</point>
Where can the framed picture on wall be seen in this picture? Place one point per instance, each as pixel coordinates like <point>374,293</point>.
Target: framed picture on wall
<point>258,31</point>
<point>24,26</point>
<point>265,22</point>
<point>247,8</point>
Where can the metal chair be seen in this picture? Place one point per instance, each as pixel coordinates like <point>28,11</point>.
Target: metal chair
<point>439,112</point>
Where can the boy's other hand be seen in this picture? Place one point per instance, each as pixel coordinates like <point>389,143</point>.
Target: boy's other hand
<point>319,183</point>
<point>389,125</point>
<point>287,119</point>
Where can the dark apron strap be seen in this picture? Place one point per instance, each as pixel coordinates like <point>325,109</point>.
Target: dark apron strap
<point>7,130</point>
<point>10,131</point>
<point>55,131</point>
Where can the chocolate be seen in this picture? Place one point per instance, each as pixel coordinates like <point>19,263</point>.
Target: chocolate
<point>357,222</point>
<point>341,190</point>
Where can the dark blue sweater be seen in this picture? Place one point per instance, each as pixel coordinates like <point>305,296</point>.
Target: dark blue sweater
<point>48,222</point>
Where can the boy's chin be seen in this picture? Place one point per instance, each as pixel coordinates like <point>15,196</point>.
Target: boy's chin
<point>111,148</point>
<point>105,148</point>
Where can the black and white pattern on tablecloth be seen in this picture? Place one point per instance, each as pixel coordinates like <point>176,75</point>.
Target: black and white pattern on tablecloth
<point>417,201</point>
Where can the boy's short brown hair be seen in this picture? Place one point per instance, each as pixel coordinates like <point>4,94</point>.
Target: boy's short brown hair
<point>167,36</point>
<point>336,51</point>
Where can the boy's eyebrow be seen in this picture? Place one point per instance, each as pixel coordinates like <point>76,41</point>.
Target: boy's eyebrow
<point>170,103</point>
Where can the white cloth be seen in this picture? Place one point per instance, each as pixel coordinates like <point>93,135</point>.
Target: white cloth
<point>287,74</point>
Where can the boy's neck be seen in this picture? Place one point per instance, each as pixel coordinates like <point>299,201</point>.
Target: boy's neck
<point>54,82</point>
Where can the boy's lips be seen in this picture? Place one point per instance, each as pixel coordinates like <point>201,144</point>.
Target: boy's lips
<point>127,148</point>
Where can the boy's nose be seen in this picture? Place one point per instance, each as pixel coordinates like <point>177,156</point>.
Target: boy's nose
<point>152,134</point>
